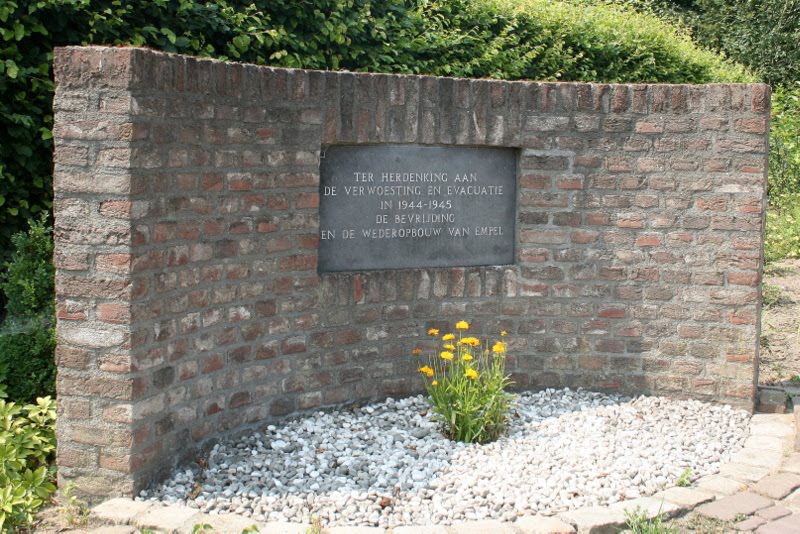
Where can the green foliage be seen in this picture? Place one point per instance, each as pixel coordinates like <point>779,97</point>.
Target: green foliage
<point>685,479</point>
<point>466,387</point>
<point>782,232</point>
<point>771,295</point>
<point>637,522</point>
<point>762,34</point>
<point>533,39</point>
<point>74,511</point>
<point>27,338</point>
<point>27,446</point>
<point>28,282</point>
<point>784,151</point>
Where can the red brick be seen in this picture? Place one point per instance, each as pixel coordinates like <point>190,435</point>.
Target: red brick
<point>113,313</point>
<point>648,240</point>
<point>113,263</point>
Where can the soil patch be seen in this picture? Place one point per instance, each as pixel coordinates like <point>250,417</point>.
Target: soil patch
<point>780,323</point>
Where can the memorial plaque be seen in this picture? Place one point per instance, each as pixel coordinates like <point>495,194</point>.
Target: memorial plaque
<point>408,206</point>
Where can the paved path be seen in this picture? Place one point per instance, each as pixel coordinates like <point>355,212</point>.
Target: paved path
<point>758,491</point>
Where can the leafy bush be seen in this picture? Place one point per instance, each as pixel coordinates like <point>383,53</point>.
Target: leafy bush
<point>761,34</point>
<point>782,233</point>
<point>467,387</point>
<point>27,447</point>
<point>784,144</point>
<point>534,39</point>
<point>27,338</point>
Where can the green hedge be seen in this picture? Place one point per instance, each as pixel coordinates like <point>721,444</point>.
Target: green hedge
<point>533,39</point>
<point>27,337</point>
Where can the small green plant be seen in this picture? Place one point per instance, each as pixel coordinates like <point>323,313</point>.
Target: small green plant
<point>27,446</point>
<point>202,527</point>
<point>795,379</point>
<point>74,511</point>
<point>771,295</point>
<point>315,527</point>
<point>685,479</point>
<point>252,529</point>
<point>637,522</point>
<point>466,382</point>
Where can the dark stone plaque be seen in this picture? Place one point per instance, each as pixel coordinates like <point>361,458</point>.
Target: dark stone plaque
<point>407,206</point>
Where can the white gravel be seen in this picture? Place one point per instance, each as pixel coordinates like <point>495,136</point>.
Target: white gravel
<point>386,464</point>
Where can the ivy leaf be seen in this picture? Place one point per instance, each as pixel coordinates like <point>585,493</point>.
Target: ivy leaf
<point>19,31</point>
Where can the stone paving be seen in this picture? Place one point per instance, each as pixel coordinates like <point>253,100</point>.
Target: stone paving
<point>758,491</point>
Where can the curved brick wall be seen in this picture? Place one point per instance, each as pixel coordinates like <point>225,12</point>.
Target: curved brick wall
<point>187,196</point>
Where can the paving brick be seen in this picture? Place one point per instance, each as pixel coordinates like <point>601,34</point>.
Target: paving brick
<point>354,530</point>
<point>743,473</point>
<point>281,527</point>
<point>778,429</point>
<point>481,527</point>
<point>721,485</point>
<point>769,459</point>
<point>727,508</point>
<point>595,520</point>
<point>120,511</point>
<point>685,497</point>
<point>773,513</point>
<point>751,523</point>
<point>650,506</point>
<point>419,529</point>
<point>113,529</point>
<point>539,524</point>
<point>792,463</point>
<point>221,523</point>
<point>167,519</point>
<point>765,443</point>
<point>785,525</point>
<point>777,486</point>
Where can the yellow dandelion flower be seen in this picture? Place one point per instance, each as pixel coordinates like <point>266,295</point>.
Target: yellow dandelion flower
<point>435,383</point>
<point>416,352</point>
<point>448,337</point>
<point>447,355</point>
<point>426,370</point>
<point>449,347</point>
<point>467,357</point>
<point>462,325</point>
<point>433,332</point>
<point>503,333</point>
<point>499,347</point>
<point>471,341</point>
<point>472,374</point>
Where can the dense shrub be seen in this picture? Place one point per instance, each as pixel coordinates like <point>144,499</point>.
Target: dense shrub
<point>27,447</point>
<point>535,39</point>
<point>782,233</point>
<point>27,338</point>
<point>762,34</point>
<point>784,142</point>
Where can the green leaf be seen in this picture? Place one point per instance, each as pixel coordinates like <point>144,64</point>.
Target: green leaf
<point>170,34</point>
<point>241,42</point>
<point>11,69</point>
<point>19,31</point>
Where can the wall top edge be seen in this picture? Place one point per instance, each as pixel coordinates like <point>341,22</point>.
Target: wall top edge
<point>132,67</point>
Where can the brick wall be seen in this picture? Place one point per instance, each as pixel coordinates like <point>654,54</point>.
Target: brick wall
<point>186,212</point>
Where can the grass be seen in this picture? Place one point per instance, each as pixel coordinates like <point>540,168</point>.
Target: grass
<point>637,522</point>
